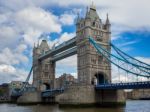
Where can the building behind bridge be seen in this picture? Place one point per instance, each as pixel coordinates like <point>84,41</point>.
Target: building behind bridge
<point>16,86</point>
<point>4,92</point>
<point>139,94</point>
<point>65,80</point>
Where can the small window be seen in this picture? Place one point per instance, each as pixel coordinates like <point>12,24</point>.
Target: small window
<point>101,34</point>
<point>46,66</point>
<point>46,75</point>
<point>96,25</point>
<point>93,24</point>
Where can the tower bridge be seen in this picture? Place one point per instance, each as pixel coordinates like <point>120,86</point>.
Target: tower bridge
<point>92,44</point>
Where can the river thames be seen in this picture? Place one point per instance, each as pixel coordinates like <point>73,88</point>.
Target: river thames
<point>131,106</point>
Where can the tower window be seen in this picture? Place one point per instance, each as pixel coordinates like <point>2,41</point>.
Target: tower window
<point>100,59</point>
<point>46,66</point>
<point>96,25</point>
<point>101,34</point>
<point>46,75</point>
<point>93,24</point>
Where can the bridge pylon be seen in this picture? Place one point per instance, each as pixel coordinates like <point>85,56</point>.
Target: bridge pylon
<point>43,70</point>
<point>90,63</point>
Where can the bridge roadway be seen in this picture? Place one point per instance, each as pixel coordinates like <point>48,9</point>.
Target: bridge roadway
<point>52,92</point>
<point>62,48</point>
<point>130,85</point>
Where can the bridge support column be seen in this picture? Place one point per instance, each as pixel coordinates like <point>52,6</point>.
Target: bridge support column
<point>77,95</point>
<point>110,97</point>
<point>30,98</point>
<point>86,95</point>
<point>43,70</point>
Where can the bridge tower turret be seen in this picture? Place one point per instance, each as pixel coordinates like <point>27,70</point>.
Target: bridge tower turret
<point>43,71</point>
<point>90,64</point>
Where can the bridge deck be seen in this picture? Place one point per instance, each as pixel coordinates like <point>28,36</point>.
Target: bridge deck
<point>130,85</point>
<point>60,48</point>
<point>52,92</point>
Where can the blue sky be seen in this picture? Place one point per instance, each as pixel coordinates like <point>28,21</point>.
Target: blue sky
<point>31,20</point>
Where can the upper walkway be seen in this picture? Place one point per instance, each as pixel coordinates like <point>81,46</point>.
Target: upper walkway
<point>62,48</point>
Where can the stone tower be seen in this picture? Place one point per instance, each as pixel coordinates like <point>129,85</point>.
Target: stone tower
<point>43,70</point>
<point>90,64</point>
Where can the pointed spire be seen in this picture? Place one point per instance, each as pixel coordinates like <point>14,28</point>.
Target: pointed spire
<point>107,20</point>
<point>78,17</point>
<point>38,43</point>
<point>87,13</point>
<point>34,45</point>
<point>93,6</point>
<point>87,10</point>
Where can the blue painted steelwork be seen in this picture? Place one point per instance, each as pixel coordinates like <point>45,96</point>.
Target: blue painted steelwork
<point>20,92</point>
<point>141,65</point>
<point>130,58</point>
<point>60,48</point>
<point>117,61</point>
<point>27,80</point>
<point>67,53</point>
<point>25,87</point>
<point>130,85</point>
<point>52,92</point>
<point>69,48</point>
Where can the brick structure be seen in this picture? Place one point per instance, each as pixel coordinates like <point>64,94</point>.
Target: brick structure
<point>65,80</point>
<point>43,71</point>
<point>139,94</point>
<point>90,63</point>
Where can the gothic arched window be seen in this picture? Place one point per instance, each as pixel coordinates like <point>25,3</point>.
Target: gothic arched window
<point>93,24</point>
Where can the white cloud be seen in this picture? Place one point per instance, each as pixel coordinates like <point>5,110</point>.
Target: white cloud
<point>21,48</point>
<point>27,20</point>
<point>74,74</point>
<point>27,24</point>
<point>9,73</point>
<point>119,75</point>
<point>8,36</point>
<point>68,62</point>
<point>38,18</point>
<point>67,65</point>
<point>67,19</point>
<point>143,59</point>
<point>64,37</point>
<point>13,57</point>
<point>7,69</point>
<point>36,21</point>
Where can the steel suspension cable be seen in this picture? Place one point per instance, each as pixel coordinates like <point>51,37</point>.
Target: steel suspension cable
<point>123,53</point>
<point>98,49</point>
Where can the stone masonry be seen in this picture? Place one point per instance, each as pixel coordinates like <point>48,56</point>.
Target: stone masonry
<point>43,71</point>
<point>91,65</point>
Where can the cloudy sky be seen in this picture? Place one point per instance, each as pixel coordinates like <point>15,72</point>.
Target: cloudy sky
<point>24,22</point>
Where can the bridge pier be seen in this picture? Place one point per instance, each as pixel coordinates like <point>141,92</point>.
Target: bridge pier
<point>110,97</point>
<point>77,95</point>
<point>30,98</point>
<point>86,95</point>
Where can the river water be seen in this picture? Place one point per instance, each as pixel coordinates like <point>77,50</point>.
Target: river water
<point>131,106</point>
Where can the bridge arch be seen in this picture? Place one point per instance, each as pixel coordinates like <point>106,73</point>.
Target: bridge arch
<point>45,86</point>
<point>101,78</point>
